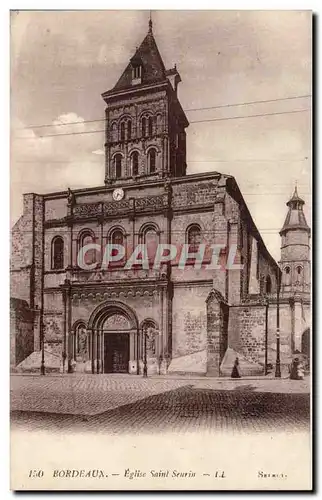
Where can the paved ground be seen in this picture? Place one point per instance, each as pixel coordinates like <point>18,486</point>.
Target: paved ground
<point>118,404</point>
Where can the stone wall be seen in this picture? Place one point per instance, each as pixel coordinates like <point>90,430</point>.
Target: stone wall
<point>252,331</point>
<point>21,331</point>
<point>189,320</point>
<point>20,283</point>
<point>217,325</point>
<point>196,324</point>
<point>247,324</point>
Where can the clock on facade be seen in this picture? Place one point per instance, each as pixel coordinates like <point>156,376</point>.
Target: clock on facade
<point>118,194</point>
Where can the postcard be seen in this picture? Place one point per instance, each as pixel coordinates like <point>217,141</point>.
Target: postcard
<point>160,272</point>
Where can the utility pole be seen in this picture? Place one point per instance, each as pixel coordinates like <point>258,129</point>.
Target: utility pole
<point>266,332</point>
<point>42,366</point>
<point>145,361</point>
<point>278,360</point>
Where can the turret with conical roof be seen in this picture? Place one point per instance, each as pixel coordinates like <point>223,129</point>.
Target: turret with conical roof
<point>145,123</point>
<point>295,218</point>
<point>295,248</point>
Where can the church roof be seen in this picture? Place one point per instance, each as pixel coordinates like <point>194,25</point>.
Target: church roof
<point>295,198</point>
<point>295,218</point>
<point>148,56</point>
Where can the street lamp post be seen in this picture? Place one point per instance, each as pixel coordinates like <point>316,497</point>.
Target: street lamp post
<point>278,360</point>
<point>64,360</point>
<point>145,362</point>
<point>64,296</point>
<point>266,332</point>
<point>42,366</point>
<point>138,351</point>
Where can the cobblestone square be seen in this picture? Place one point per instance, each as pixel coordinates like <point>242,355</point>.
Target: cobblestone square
<point>130,404</point>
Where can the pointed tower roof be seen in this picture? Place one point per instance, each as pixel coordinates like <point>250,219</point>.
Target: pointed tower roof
<point>148,56</point>
<point>295,218</point>
<point>295,199</point>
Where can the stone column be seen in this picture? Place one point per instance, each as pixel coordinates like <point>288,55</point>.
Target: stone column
<point>214,325</point>
<point>69,320</point>
<point>93,350</point>
<point>97,351</point>
<point>64,297</point>
<point>36,329</point>
<point>163,339</point>
<point>102,351</point>
<point>292,324</point>
<point>298,325</point>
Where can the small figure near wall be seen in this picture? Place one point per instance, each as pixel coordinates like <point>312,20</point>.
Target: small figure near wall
<point>296,370</point>
<point>71,366</point>
<point>235,372</point>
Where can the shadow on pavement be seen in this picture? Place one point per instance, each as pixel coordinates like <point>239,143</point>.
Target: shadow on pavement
<point>244,388</point>
<point>186,409</point>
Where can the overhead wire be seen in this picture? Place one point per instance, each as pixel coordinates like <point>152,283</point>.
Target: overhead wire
<point>220,106</point>
<point>193,121</point>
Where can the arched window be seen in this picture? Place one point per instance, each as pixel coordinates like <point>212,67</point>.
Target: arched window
<point>81,342</point>
<point>194,237</point>
<point>118,165</point>
<point>123,131</point>
<point>143,127</point>
<point>129,129</point>
<point>299,274</point>
<point>150,237</point>
<point>268,284</point>
<point>159,123</point>
<point>287,275</point>
<point>117,237</point>
<point>135,163</point>
<point>152,161</point>
<point>150,328</point>
<point>87,238</point>
<point>57,253</point>
<point>150,122</point>
<point>114,132</point>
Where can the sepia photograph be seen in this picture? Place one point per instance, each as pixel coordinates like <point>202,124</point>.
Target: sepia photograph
<point>160,258</point>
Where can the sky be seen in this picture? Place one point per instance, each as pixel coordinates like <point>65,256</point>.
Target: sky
<point>61,63</point>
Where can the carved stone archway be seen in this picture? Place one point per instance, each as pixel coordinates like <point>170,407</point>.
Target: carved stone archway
<point>109,308</point>
<point>114,330</point>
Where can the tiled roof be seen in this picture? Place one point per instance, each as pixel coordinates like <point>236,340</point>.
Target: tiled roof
<point>295,218</point>
<point>148,56</point>
<point>295,198</point>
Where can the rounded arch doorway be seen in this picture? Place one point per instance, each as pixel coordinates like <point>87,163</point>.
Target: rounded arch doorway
<point>114,328</point>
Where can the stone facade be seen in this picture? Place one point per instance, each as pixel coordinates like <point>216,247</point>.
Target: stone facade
<point>106,319</point>
<point>22,324</point>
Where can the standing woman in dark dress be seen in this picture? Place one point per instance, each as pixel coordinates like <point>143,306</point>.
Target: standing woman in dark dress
<point>235,372</point>
<point>296,370</point>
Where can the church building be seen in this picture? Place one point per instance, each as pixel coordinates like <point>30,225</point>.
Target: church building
<point>172,318</point>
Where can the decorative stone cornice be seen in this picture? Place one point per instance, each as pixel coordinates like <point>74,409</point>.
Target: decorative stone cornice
<point>114,293</point>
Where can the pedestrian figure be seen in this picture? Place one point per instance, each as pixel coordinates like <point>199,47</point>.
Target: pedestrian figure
<point>296,371</point>
<point>300,371</point>
<point>235,372</point>
<point>73,365</point>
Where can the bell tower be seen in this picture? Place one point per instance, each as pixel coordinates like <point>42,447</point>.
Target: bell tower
<point>145,136</point>
<point>295,248</point>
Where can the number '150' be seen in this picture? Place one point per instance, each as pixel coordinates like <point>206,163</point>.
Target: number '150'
<point>36,473</point>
